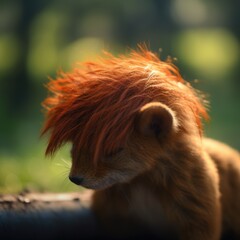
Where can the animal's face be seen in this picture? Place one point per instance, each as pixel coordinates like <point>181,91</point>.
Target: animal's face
<point>155,124</point>
<point>95,107</point>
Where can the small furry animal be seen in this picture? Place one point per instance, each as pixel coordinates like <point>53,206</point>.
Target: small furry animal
<point>136,133</point>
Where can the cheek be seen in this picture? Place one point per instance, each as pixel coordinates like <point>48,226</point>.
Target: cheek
<point>126,168</point>
<point>123,174</point>
<point>122,163</point>
<point>117,170</point>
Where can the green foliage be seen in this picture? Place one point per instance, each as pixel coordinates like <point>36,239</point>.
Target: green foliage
<point>34,172</point>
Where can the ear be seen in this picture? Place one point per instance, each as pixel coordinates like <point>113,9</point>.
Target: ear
<point>156,120</point>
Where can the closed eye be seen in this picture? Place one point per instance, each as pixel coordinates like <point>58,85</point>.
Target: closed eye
<point>117,151</point>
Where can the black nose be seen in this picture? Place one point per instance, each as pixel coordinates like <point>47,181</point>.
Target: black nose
<point>76,180</point>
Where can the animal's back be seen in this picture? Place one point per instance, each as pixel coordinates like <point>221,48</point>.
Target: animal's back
<point>227,161</point>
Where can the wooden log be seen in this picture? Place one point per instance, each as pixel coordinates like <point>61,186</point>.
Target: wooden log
<point>46,216</point>
<point>50,216</point>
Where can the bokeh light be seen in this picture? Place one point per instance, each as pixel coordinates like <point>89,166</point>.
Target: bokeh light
<point>212,53</point>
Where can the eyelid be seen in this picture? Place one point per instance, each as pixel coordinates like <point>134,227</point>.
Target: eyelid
<point>117,151</point>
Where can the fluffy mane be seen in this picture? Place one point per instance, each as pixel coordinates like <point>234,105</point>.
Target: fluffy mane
<point>95,105</point>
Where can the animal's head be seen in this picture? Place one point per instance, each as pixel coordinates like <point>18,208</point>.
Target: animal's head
<point>121,115</point>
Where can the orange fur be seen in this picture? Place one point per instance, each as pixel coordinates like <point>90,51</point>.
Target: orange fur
<point>103,98</point>
<point>134,124</point>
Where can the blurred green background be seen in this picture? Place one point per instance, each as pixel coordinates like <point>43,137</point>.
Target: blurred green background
<point>37,38</point>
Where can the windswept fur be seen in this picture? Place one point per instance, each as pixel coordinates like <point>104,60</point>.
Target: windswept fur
<point>96,104</point>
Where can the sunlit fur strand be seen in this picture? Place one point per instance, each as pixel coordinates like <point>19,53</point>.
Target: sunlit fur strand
<point>80,99</point>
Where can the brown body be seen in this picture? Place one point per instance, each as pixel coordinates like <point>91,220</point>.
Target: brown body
<point>136,131</point>
<point>188,200</point>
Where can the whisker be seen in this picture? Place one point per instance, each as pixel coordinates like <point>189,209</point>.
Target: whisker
<point>66,162</point>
